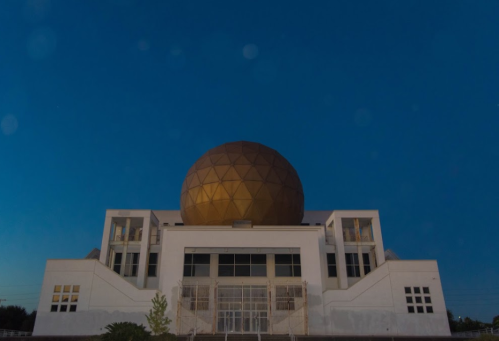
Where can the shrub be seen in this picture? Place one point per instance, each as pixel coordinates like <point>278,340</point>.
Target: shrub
<point>126,331</point>
<point>157,320</point>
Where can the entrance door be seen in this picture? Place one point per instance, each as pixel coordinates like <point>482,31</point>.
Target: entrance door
<point>242,309</point>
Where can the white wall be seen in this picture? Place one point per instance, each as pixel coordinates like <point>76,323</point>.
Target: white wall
<point>104,298</point>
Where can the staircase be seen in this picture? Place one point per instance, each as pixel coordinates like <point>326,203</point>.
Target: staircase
<point>237,337</point>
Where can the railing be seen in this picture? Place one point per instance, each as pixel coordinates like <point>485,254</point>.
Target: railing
<point>6,332</point>
<point>349,236</point>
<point>131,238</point>
<point>477,333</point>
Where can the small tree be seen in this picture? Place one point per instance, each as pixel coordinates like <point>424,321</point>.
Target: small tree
<point>157,320</point>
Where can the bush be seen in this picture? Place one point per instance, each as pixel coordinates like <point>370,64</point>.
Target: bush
<point>126,331</point>
<point>164,337</point>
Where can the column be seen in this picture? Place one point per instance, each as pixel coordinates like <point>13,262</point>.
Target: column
<point>125,247</point>
<point>341,266</point>
<point>144,253</point>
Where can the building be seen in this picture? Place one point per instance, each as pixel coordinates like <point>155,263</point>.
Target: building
<point>231,271</point>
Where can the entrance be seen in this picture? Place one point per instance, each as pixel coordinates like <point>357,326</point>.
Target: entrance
<point>242,309</point>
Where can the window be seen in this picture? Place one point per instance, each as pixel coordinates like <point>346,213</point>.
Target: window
<point>427,299</point>
<point>179,224</point>
<point>426,290</point>
<point>305,224</point>
<point>196,265</point>
<point>131,264</point>
<point>429,309</point>
<point>69,296</point>
<point>367,264</point>
<point>413,295</point>
<point>352,262</point>
<point>189,297</point>
<point>408,290</point>
<point>243,265</point>
<point>417,290</point>
<point>287,296</point>
<point>331,265</point>
<point>410,309</point>
<point>418,299</point>
<point>420,309</point>
<point>287,265</point>
<point>408,299</point>
<point>153,265</point>
<point>117,263</point>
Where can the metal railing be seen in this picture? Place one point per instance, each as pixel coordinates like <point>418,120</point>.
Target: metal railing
<point>121,238</point>
<point>477,333</point>
<point>6,332</point>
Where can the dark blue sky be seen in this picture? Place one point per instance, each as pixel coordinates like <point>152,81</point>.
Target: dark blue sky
<point>389,105</point>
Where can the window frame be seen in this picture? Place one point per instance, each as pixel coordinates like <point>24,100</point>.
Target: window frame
<point>293,264</point>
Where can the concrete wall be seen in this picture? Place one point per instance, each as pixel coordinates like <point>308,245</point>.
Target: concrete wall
<point>104,298</point>
<point>376,305</point>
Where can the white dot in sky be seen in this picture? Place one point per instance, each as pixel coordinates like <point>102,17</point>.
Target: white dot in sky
<point>9,124</point>
<point>250,51</point>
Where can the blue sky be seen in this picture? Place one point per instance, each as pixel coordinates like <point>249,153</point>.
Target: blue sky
<point>389,105</point>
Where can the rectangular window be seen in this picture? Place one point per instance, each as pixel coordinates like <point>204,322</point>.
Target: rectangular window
<point>420,309</point>
<point>67,288</point>
<point>427,299</point>
<point>426,290</point>
<point>408,299</point>
<point>74,298</point>
<point>56,298</point>
<point>352,262</point>
<point>153,265</point>
<point>63,308</point>
<point>417,290</point>
<point>408,290</point>
<point>242,265</point>
<point>429,309</point>
<point>196,297</point>
<point>117,263</point>
<point>410,309</point>
<point>65,298</point>
<point>72,308</point>
<point>287,297</point>
<point>418,299</point>
<point>53,308</point>
<point>57,288</point>
<point>367,264</point>
<point>76,288</point>
<point>197,265</point>
<point>287,265</point>
<point>131,264</point>
<point>331,265</point>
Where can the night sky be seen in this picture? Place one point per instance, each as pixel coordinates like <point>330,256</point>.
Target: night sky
<point>388,105</point>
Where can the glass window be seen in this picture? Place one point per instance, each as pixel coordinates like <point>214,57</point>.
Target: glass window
<point>408,290</point>
<point>418,299</point>
<point>131,264</point>
<point>242,265</point>
<point>63,308</point>
<point>197,265</point>
<point>72,308</point>
<point>56,298</point>
<point>420,309</point>
<point>331,265</point>
<point>74,298</point>
<point>65,298</point>
<point>417,290</point>
<point>429,309</point>
<point>408,299</point>
<point>288,265</point>
<point>117,263</point>
<point>426,290</point>
<point>76,288</point>
<point>352,262</point>
<point>286,296</point>
<point>67,288</point>
<point>57,288</point>
<point>427,299</point>
<point>410,309</point>
<point>53,308</point>
<point>153,264</point>
<point>367,263</point>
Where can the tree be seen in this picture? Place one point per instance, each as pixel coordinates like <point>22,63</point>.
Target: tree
<point>12,317</point>
<point>495,321</point>
<point>157,320</point>
<point>452,321</point>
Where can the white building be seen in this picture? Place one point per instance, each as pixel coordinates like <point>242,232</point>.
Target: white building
<point>327,276</point>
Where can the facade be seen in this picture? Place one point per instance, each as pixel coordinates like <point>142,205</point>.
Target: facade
<point>325,276</point>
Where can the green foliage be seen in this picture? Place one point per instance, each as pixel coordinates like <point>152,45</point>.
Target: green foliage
<point>16,318</point>
<point>157,320</point>
<point>126,331</point>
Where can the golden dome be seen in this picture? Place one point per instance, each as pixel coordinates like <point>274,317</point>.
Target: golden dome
<point>242,181</point>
